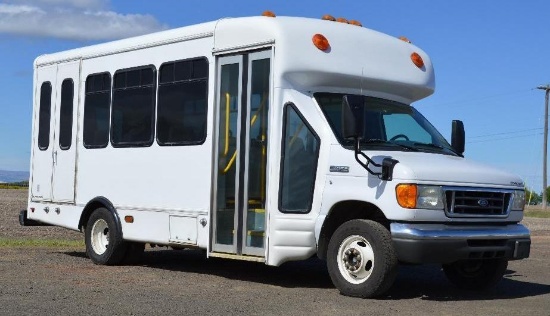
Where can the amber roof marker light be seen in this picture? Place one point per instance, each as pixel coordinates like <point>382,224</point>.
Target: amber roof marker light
<point>328,17</point>
<point>269,14</point>
<point>404,39</point>
<point>321,42</point>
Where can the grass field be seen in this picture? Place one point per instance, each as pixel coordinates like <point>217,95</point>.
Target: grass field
<point>41,243</point>
<point>538,213</point>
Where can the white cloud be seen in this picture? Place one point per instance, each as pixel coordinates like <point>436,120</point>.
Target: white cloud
<point>82,4</point>
<point>75,20</point>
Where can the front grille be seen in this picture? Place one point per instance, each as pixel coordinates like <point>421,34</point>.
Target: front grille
<point>462,202</point>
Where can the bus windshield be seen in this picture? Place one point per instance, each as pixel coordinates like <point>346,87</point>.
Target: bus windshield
<point>389,125</point>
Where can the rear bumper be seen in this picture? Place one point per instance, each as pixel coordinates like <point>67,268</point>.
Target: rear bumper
<point>25,221</point>
<point>440,243</point>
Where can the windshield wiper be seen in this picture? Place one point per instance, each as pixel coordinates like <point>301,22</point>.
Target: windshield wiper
<point>429,145</point>
<point>381,141</point>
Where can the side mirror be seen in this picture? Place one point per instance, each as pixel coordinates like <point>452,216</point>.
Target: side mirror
<point>458,137</point>
<point>353,109</point>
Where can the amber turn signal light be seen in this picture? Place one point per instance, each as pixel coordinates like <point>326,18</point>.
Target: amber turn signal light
<point>406,195</point>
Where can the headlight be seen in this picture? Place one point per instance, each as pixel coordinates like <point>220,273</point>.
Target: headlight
<point>518,200</point>
<point>420,196</point>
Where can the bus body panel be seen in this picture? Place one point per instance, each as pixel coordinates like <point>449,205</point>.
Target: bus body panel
<point>166,195</point>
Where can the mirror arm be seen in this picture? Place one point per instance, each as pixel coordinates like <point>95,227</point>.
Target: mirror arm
<point>387,164</point>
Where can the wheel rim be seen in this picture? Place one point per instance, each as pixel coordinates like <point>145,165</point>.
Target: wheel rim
<point>100,236</point>
<point>355,259</point>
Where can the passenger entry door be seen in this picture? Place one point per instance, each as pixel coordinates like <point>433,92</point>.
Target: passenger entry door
<point>242,139</point>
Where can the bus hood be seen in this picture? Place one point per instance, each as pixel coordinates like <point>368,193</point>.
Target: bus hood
<point>451,169</point>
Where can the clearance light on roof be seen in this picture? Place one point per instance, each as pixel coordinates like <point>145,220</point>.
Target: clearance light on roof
<point>342,20</point>
<point>328,17</point>
<point>404,39</point>
<point>321,42</point>
<point>417,60</point>
<point>269,14</point>
<point>355,22</point>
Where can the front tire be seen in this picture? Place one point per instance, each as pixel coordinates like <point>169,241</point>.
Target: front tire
<point>476,274</point>
<point>104,244</point>
<point>361,259</point>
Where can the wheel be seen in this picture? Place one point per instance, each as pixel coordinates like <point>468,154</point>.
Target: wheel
<point>361,259</point>
<point>475,274</point>
<point>400,136</point>
<point>104,244</point>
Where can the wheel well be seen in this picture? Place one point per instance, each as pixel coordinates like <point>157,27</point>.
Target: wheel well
<point>93,205</point>
<point>345,211</point>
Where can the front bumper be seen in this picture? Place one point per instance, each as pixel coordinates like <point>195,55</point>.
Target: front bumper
<point>440,243</point>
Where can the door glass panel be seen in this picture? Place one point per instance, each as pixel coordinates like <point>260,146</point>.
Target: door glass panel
<point>227,154</point>
<point>44,117</point>
<point>257,150</point>
<point>66,115</point>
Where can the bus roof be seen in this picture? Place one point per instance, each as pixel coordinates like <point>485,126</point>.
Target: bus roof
<point>358,57</point>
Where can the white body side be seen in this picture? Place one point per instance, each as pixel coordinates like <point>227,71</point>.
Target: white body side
<point>169,190</point>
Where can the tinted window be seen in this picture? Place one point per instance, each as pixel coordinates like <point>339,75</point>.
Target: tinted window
<point>133,111</point>
<point>182,102</point>
<point>300,153</point>
<point>66,115</point>
<point>44,116</point>
<point>96,110</point>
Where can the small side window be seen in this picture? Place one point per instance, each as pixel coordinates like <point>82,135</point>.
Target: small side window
<point>182,102</point>
<point>96,110</point>
<point>300,153</point>
<point>44,116</point>
<point>66,114</point>
<point>133,110</point>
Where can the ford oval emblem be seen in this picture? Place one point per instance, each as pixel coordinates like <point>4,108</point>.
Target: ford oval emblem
<point>483,203</point>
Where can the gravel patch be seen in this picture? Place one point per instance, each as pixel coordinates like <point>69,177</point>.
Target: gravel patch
<point>11,203</point>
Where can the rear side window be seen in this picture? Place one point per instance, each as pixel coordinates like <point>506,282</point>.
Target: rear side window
<point>96,110</point>
<point>44,116</point>
<point>182,102</point>
<point>66,114</point>
<point>133,110</point>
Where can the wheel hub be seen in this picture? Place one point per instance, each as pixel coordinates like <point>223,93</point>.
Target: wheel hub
<point>352,259</point>
<point>355,259</point>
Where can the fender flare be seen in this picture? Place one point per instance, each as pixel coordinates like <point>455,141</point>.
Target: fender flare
<point>94,204</point>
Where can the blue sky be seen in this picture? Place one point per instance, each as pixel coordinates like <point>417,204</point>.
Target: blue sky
<point>489,56</point>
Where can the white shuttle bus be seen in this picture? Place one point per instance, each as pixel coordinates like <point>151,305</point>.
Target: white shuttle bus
<point>267,139</point>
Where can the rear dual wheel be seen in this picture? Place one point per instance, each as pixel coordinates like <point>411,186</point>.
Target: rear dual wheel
<point>361,259</point>
<point>104,243</point>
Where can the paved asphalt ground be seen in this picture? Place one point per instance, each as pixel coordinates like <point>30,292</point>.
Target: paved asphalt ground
<point>54,280</point>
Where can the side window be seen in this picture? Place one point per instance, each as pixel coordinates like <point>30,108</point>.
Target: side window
<point>133,110</point>
<point>66,114</point>
<point>44,116</point>
<point>182,102</point>
<point>96,110</point>
<point>300,152</point>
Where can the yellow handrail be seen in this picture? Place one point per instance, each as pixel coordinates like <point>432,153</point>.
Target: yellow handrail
<point>252,121</point>
<point>227,103</point>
